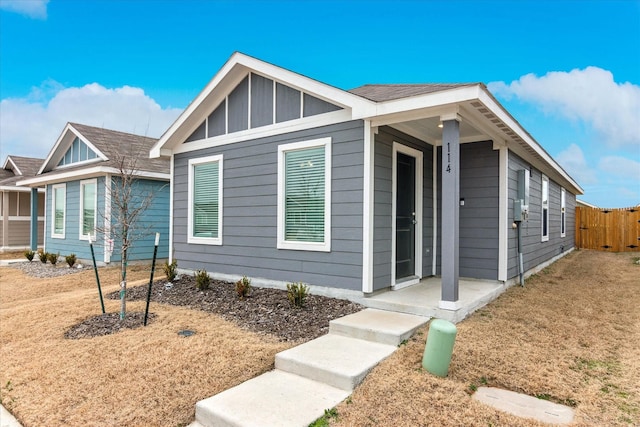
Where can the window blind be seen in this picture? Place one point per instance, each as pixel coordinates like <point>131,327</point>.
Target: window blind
<point>206,208</point>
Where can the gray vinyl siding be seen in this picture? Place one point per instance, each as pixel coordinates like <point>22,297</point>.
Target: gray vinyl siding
<point>238,114</point>
<point>535,251</point>
<point>383,187</point>
<point>261,101</point>
<point>156,218</point>
<point>313,106</point>
<point>479,217</point>
<point>250,212</point>
<point>217,120</point>
<point>287,103</point>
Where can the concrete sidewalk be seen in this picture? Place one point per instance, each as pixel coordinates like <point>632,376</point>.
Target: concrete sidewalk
<point>6,419</point>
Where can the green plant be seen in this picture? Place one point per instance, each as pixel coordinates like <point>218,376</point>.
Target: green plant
<point>323,421</point>
<point>243,287</point>
<point>29,254</point>
<point>71,259</point>
<point>53,258</point>
<point>170,270</point>
<point>44,256</point>
<point>297,293</point>
<point>202,280</point>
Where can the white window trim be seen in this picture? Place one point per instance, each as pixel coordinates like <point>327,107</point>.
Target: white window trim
<point>53,211</point>
<point>305,246</point>
<point>95,209</point>
<point>563,212</point>
<point>205,240</point>
<point>544,238</point>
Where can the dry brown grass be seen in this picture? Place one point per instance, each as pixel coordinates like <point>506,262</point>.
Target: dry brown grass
<point>12,255</point>
<point>571,335</point>
<point>147,376</point>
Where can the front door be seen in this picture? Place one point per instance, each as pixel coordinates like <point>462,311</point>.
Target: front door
<point>406,219</point>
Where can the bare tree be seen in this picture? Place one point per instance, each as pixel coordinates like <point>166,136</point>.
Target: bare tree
<point>128,204</point>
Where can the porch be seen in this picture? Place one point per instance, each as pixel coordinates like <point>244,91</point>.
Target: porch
<point>423,298</point>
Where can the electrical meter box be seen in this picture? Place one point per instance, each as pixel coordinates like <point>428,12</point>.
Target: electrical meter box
<point>520,210</point>
<point>521,204</point>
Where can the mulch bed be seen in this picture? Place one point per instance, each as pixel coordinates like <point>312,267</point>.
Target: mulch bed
<point>106,324</point>
<point>264,311</point>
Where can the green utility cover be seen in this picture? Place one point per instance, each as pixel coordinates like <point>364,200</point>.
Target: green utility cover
<point>439,347</point>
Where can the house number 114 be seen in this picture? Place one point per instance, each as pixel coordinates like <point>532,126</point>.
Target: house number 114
<point>448,157</point>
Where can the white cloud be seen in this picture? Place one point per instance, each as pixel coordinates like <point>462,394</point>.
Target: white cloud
<point>621,167</point>
<point>573,161</point>
<point>31,125</point>
<point>590,95</point>
<point>36,9</point>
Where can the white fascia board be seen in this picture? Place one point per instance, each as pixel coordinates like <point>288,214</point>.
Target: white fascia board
<point>59,145</point>
<point>243,64</point>
<point>325,119</point>
<point>20,189</point>
<point>490,102</point>
<point>87,173</point>
<point>15,167</point>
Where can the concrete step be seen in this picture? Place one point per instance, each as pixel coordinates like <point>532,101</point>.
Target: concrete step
<point>335,360</point>
<point>385,327</point>
<point>276,398</point>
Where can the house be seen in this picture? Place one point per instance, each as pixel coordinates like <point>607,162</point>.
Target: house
<point>284,178</point>
<point>16,205</point>
<point>81,175</point>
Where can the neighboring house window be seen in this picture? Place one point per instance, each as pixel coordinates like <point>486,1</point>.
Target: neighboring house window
<point>58,208</point>
<point>205,200</point>
<point>545,208</point>
<point>563,217</point>
<point>304,195</point>
<point>88,207</point>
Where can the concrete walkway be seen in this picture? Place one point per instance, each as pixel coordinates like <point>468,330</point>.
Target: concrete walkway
<point>313,376</point>
<point>6,419</point>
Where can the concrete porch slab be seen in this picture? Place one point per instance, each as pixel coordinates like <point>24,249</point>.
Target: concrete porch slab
<point>423,298</point>
<point>524,406</point>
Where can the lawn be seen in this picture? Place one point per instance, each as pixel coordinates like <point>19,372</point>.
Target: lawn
<point>571,335</point>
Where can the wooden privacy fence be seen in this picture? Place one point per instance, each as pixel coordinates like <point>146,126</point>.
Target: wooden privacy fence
<point>612,230</point>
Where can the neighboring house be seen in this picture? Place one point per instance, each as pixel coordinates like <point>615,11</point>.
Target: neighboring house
<point>280,177</point>
<point>16,206</point>
<point>79,175</point>
<point>583,204</point>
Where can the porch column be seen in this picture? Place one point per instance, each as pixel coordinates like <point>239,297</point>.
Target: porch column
<point>450,211</point>
<point>5,219</point>
<point>34,219</point>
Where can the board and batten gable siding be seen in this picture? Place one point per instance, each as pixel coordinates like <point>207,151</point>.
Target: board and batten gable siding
<point>71,243</point>
<point>249,233</point>
<point>155,219</point>
<point>535,251</point>
<point>383,188</point>
<point>479,217</point>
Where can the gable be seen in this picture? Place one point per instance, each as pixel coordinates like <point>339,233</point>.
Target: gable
<point>77,152</point>
<point>259,101</point>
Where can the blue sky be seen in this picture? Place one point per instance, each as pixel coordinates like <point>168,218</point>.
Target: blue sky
<point>568,71</point>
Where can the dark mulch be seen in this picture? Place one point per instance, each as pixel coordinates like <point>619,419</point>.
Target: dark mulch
<point>106,324</point>
<point>264,310</point>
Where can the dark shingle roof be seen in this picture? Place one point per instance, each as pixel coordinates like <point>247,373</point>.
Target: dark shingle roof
<point>28,166</point>
<point>389,92</point>
<point>114,143</point>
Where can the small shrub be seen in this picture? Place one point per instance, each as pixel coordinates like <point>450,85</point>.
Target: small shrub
<point>71,260</point>
<point>202,280</point>
<point>170,270</point>
<point>29,254</point>
<point>43,256</point>
<point>297,293</point>
<point>53,258</point>
<point>243,287</point>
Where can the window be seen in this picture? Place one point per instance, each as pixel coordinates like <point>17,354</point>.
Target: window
<point>58,208</point>
<point>545,208</point>
<point>88,207</point>
<point>304,195</point>
<point>205,200</point>
<point>563,218</point>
